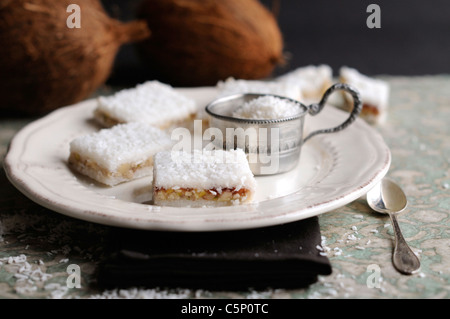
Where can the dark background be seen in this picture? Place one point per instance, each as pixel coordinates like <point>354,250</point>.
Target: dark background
<point>414,38</point>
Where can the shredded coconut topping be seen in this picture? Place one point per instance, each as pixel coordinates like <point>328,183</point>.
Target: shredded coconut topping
<point>152,102</point>
<point>267,107</point>
<point>125,143</point>
<point>203,170</point>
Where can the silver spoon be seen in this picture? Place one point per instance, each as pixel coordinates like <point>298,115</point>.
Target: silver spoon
<point>388,198</point>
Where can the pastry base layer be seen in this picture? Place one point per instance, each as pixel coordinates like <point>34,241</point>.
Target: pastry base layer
<point>198,198</point>
<point>124,173</point>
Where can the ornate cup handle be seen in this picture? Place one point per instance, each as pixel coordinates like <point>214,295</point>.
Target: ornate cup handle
<point>315,109</point>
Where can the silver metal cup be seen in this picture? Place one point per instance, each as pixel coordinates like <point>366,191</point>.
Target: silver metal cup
<point>272,146</point>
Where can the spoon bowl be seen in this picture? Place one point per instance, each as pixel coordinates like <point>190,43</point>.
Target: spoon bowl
<point>388,198</point>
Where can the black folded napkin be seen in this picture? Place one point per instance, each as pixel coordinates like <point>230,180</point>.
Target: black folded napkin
<point>284,256</point>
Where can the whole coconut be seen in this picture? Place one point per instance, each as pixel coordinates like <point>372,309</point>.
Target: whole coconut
<point>198,42</point>
<point>44,64</point>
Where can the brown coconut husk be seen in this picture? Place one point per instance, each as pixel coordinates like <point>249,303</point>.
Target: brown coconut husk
<point>198,42</point>
<point>44,64</point>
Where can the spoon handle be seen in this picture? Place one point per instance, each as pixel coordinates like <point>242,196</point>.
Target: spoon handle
<point>403,258</point>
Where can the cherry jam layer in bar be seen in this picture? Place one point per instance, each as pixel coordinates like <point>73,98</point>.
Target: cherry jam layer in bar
<point>202,178</point>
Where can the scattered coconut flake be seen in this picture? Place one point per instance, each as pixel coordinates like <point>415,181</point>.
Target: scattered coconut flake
<point>138,293</point>
<point>26,274</point>
<point>24,290</point>
<point>315,295</point>
<point>332,292</point>
<point>57,291</point>
<point>20,276</point>
<point>200,293</point>
<point>259,294</point>
<point>337,251</point>
<point>17,260</point>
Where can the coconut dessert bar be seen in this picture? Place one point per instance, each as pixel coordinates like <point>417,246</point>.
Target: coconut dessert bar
<point>232,86</point>
<point>312,80</point>
<point>202,178</point>
<point>152,102</point>
<point>122,153</point>
<point>374,95</point>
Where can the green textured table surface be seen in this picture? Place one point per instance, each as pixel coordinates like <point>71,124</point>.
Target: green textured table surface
<point>37,245</point>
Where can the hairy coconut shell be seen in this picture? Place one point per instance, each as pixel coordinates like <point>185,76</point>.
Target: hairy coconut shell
<point>44,64</point>
<point>198,42</point>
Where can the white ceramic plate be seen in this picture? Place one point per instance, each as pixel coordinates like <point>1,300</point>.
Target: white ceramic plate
<point>333,170</point>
